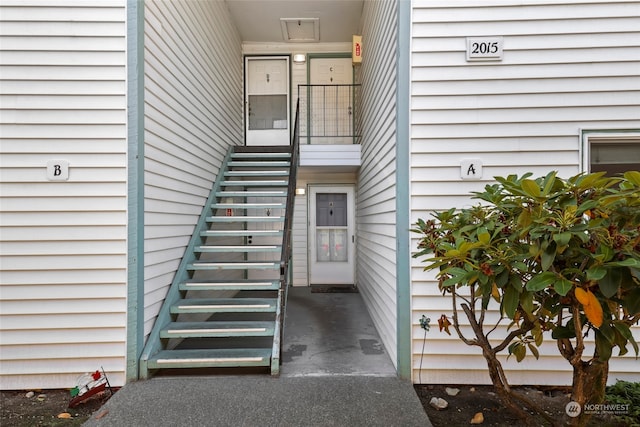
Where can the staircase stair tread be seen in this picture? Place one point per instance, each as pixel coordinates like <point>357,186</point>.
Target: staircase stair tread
<point>244,284</point>
<point>238,248</point>
<point>208,358</point>
<point>218,329</point>
<point>241,265</point>
<point>247,205</point>
<point>256,233</point>
<point>247,183</point>
<point>258,173</point>
<point>259,164</point>
<point>213,305</point>
<point>261,149</point>
<point>240,218</point>
<point>262,155</point>
<point>252,193</point>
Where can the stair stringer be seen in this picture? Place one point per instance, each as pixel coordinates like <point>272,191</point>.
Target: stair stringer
<point>154,344</point>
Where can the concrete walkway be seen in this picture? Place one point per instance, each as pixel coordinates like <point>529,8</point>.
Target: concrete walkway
<point>335,372</point>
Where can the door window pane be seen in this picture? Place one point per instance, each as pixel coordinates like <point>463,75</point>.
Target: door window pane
<point>331,209</point>
<point>332,245</point>
<point>267,112</point>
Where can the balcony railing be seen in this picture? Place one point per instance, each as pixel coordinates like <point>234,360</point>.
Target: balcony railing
<point>329,114</point>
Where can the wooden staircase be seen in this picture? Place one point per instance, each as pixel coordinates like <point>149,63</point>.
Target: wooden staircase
<point>225,307</point>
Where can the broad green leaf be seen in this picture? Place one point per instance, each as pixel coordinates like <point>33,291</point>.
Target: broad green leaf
<point>549,181</point>
<point>531,188</point>
<point>596,273</point>
<point>521,266</point>
<point>510,301</point>
<point>603,346</point>
<point>465,247</point>
<point>606,252</point>
<point>483,235</point>
<point>625,331</point>
<point>563,286</point>
<point>589,204</point>
<point>520,351</point>
<point>632,302</point>
<point>516,283</point>
<point>633,176</point>
<point>563,332</point>
<point>533,350</point>
<point>548,256</point>
<point>541,281</point>
<point>587,181</point>
<point>524,219</point>
<point>629,262</point>
<point>607,332</point>
<point>526,302</point>
<point>537,336</point>
<point>452,253</point>
<point>610,283</point>
<point>562,239</point>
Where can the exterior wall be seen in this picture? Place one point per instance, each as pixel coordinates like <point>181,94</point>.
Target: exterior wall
<point>193,113</point>
<point>568,65</point>
<point>375,210</point>
<point>63,293</point>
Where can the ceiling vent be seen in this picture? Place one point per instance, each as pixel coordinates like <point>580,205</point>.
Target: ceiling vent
<point>300,29</point>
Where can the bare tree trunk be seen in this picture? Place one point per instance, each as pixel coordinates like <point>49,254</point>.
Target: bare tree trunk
<point>496,373</point>
<point>501,385</point>
<point>589,386</point>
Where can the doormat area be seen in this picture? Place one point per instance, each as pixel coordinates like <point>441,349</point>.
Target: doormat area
<point>322,289</point>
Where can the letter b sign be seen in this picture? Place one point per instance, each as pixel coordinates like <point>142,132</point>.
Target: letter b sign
<point>58,170</point>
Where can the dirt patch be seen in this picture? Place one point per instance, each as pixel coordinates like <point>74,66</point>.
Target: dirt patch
<point>43,407</point>
<point>474,399</point>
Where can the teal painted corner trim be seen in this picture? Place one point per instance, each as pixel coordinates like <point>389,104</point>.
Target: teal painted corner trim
<point>135,186</point>
<point>403,240</point>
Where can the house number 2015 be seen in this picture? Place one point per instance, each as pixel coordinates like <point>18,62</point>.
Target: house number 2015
<point>484,48</point>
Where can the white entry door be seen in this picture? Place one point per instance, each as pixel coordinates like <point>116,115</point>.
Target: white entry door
<point>332,100</point>
<point>331,235</point>
<point>267,111</point>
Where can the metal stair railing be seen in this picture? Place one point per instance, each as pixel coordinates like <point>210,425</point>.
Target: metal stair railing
<point>285,258</point>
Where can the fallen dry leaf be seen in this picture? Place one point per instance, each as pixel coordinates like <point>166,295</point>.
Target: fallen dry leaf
<point>478,418</point>
<point>64,415</point>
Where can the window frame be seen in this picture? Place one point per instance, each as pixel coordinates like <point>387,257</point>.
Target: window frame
<point>587,137</point>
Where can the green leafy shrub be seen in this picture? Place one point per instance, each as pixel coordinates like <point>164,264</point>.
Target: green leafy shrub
<point>626,393</point>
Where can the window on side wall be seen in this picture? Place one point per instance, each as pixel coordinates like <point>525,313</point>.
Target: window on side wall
<point>613,153</point>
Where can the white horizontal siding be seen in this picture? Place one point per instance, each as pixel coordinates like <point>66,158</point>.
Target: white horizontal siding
<point>193,113</point>
<point>376,193</point>
<point>63,292</point>
<point>567,65</point>
<point>330,155</point>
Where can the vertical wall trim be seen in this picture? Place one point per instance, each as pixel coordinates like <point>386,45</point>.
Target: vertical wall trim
<point>403,241</point>
<point>135,185</point>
